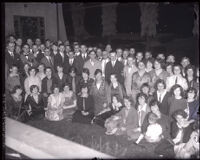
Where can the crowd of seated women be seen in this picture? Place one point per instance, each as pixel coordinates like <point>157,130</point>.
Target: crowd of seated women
<point>146,98</point>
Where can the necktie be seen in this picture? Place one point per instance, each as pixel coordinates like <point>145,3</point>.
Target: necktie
<point>11,53</point>
<point>176,80</point>
<point>113,63</point>
<point>83,104</point>
<point>50,60</point>
<point>70,62</point>
<point>159,98</point>
<point>73,85</point>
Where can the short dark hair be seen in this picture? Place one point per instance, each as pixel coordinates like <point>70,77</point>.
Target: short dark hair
<point>31,68</point>
<point>130,99</point>
<point>153,102</point>
<point>160,81</point>
<point>15,88</point>
<point>152,116</point>
<point>192,89</point>
<point>97,71</point>
<point>72,69</point>
<point>92,51</point>
<point>177,65</point>
<point>86,70</point>
<point>174,87</point>
<point>48,68</point>
<point>117,96</point>
<point>34,86</point>
<point>190,67</point>
<point>144,85</point>
<point>141,95</point>
<point>179,112</point>
<point>161,61</point>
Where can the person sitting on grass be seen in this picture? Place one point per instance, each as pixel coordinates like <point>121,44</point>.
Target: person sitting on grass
<point>35,103</point>
<point>142,110</point>
<point>54,110</point>
<point>122,121</point>
<point>114,107</point>
<point>70,102</point>
<point>85,107</point>
<point>154,130</point>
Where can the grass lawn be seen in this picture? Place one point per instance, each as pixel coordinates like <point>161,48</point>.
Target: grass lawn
<point>94,136</point>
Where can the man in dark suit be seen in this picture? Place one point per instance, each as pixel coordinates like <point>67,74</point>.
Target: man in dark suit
<point>27,57</point>
<point>47,60</point>
<point>70,62</point>
<point>10,56</point>
<point>73,80</point>
<point>116,67</point>
<point>60,58</point>
<point>81,59</point>
<point>37,54</point>
<point>47,84</point>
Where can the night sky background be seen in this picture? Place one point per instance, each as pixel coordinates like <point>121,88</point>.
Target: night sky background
<point>175,18</point>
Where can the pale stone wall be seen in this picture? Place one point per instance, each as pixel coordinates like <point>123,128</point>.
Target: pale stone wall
<point>46,10</point>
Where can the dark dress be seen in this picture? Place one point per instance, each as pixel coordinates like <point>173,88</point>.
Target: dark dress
<point>193,109</point>
<point>87,83</point>
<point>15,108</point>
<point>37,108</point>
<point>87,105</point>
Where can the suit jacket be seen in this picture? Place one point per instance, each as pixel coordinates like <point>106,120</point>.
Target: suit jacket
<point>30,60</point>
<point>39,56</point>
<point>10,60</point>
<point>35,107</point>
<point>92,68</point>
<point>67,65</point>
<point>164,105</point>
<point>46,62</point>
<point>60,82</point>
<point>117,69</point>
<point>80,63</point>
<point>58,60</point>
<point>77,81</point>
<point>44,85</point>
<point>89,104</point>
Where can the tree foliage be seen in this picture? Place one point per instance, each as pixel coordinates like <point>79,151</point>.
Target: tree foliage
<point>196,21</point>
<point>109,18</point>
<point>78,13</point>
<point>148,19</point>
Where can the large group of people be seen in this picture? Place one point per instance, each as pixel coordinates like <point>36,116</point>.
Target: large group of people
<point>145,97</point>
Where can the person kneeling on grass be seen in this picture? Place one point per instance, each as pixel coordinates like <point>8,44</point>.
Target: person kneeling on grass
<point>154,130</point>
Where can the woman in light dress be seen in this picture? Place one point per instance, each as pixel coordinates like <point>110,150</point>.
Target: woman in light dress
<point>54,110</point>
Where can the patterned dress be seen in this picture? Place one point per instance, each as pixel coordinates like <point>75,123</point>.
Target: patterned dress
<point>55,107</point>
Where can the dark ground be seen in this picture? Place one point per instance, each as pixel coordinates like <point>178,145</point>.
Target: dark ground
<point>94,137</point>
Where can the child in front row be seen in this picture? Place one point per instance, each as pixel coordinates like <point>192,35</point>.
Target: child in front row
<point>154,130</point>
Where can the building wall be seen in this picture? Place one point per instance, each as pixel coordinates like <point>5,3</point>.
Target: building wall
<point>46,10</point>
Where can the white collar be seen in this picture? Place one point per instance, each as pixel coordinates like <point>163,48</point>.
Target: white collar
<point>142,108</point>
